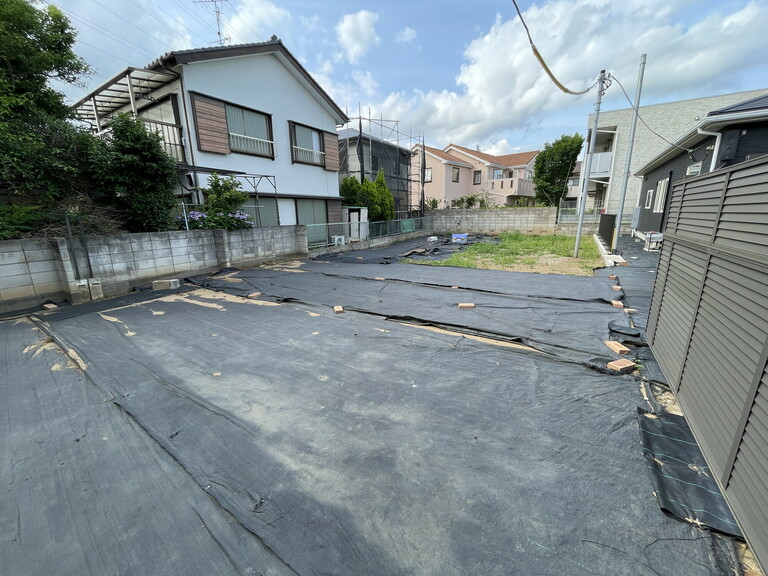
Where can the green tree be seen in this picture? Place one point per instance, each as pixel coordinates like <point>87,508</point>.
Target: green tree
<point>224,194</point>
<point>374,195</point>
<point>43,158</point>
<point>553,166</point>
<point>382,199</point>
<point>138,175</point>
<point>350,190</point>
<point>36,48</point>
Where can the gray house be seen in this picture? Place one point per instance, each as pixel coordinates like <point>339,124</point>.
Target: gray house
<point>708,327</point>
<point>724,137</point>
<point>363,157</point>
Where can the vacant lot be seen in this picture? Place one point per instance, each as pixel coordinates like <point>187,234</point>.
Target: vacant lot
<point>516,252</point>
<point>244,426</point>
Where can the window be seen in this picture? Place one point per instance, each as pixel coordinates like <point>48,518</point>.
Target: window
<point>661,195</point>
<point>498,174</point>
<point>693,169</point>
<point>307,145</point>
<point>250,132</point>
<point>476,175</point>
<point>427,174</point>
<point>454,174</point>
<point>162,118</point>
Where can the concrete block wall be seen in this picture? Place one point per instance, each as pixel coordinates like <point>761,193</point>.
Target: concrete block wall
<point>258,245</point>
<point>30,273</point>
<point>537,220</point>
<point>36,270</point>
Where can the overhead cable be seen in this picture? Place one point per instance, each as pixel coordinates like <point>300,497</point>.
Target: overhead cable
<point>637,111</point>
<point>543,63</point>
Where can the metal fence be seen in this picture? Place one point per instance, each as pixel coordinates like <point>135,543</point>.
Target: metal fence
<point>339,233</point>
<point>568,213</point>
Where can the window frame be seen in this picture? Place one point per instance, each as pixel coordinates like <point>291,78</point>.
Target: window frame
<point>233,147</point>
<point>427,174</point>
<point>455,174</point>
<point>477,177</point>
<point>649,199</point>
<point>295,147</point>
<point>661,196</point>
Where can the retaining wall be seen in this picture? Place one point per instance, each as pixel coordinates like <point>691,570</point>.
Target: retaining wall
<point>37,270</point>
<point>492,221</point>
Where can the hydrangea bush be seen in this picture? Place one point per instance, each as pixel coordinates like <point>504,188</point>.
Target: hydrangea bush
<point>212,220</point>
<point>222,208</point>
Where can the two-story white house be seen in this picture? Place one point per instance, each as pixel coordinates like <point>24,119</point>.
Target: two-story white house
<point>249,110</point>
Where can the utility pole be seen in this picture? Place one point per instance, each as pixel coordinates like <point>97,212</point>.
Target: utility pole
<point>585,182</point>
<point>625,177</point>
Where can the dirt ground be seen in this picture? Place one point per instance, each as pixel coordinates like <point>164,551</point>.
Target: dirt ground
<point>547,264</point>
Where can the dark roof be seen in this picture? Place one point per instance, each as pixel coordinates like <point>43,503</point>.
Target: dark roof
<point>114,94</point>
<point>272,46</point>
<point>757,103</point>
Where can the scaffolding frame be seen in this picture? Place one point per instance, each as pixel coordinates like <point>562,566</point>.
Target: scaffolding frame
<point>368,144</point>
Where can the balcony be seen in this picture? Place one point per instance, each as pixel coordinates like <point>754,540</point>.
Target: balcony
<point>512,187</point>
<point>601,165</point>
<point>171,137</point>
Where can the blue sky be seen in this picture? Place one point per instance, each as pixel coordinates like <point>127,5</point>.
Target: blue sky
<point>457,72</point>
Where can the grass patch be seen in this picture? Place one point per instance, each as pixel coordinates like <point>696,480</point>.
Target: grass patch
<point>528,253</point>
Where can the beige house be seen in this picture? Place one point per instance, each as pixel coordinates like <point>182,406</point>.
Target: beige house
<point>455,172</point>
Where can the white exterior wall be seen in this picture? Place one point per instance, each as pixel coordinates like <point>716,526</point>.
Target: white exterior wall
<point>263,83</point>
<point>286,207</point>
<point>670,120</point>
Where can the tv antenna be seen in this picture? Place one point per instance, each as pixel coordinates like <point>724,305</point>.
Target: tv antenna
<point>222,39</point>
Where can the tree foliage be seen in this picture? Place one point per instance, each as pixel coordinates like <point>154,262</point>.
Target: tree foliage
<point>36,47</point>
<point>223,199</point>
<point>553,166</point>
<point>138,175</point>
<point>39,151</point>
<point>373,195</point>
<point>224,194</point>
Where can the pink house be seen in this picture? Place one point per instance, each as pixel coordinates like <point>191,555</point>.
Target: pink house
<point>456,171</point>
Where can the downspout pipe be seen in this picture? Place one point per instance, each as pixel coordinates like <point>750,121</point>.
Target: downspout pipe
<point>718,138</point>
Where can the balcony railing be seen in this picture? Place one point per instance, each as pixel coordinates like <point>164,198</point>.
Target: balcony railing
<point>308,156</point>
<point>512,187</point>
<point>251,145</point>
<point>171,137</point>
<point>601,164</point>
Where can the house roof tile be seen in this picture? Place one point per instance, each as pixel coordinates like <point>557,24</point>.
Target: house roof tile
<point>444,156</point>
<point>507,160</point>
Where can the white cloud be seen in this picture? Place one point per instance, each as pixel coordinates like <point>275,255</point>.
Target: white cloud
<point>365,82</point>
<point>357,34</point>
<point>310,23</point>
<point>501,87</point>
<point>255,21</point>
<point>406,35</point>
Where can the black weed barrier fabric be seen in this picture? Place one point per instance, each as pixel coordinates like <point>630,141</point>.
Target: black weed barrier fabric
<point>210,433</point>
<point>566,316</point>
<point>682,481</point>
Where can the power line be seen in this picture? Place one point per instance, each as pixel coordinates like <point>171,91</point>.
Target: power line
<point>175,19</point>
<point>192,14</point>
<point>543,63</point>
<point>256,35</point>
<point>637,111</point>
<point>132,24</point>
<point>107,33</point>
